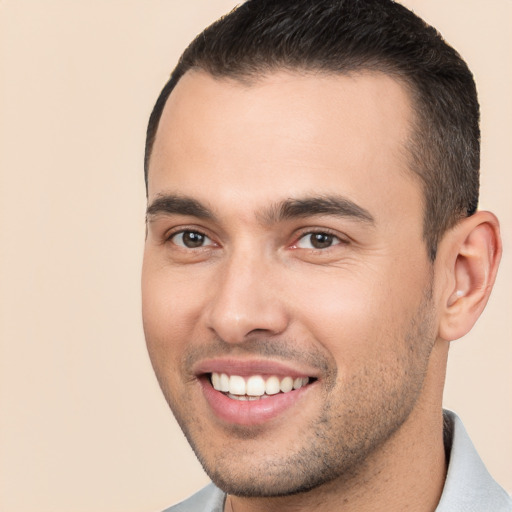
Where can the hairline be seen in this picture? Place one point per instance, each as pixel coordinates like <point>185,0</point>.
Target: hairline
<point>410,147</point>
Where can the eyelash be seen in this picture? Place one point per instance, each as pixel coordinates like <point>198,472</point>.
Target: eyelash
<point>169,238</point>
<point>337,239</point>
<point>295,245</point>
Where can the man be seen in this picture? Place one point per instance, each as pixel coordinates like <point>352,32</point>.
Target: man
<point>313,245</point>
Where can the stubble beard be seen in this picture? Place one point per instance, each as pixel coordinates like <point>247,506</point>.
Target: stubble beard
<point>339,443</point>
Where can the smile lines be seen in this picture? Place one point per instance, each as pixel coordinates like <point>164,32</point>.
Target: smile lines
<point>254,387</point>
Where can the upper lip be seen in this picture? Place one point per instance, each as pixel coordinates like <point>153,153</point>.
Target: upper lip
<point>248,367</point>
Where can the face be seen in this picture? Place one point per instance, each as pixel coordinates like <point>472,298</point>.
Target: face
<point>286,284</point>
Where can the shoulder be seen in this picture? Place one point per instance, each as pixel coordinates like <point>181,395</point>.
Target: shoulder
<point>208,499</point>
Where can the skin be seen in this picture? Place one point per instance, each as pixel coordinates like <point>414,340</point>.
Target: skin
<point>368,315</point>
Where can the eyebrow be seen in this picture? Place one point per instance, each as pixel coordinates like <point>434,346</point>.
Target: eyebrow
<point>337,206</point>
<point>178,205</point>
<point>288,209</point>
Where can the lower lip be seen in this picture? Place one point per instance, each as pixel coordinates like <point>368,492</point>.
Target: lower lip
<point>250,412</point>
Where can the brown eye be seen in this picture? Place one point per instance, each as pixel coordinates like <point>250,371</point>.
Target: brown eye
<point>190,239</point>
<point>317,241</point>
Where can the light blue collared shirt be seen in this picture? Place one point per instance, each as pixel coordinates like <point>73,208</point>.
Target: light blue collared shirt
<point>468,487</point>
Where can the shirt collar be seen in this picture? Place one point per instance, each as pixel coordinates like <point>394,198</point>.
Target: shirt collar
<point>468,486</point>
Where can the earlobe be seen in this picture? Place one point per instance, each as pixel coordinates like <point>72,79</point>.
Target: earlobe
<point>472,254</point>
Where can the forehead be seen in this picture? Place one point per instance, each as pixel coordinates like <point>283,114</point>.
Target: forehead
<point>284,135</point>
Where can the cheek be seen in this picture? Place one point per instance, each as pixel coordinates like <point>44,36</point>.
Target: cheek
<point>169,311</point>
<point>337,306</point>
<point>357,318</point>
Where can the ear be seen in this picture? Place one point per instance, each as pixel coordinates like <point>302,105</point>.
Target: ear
<point>470,253</point>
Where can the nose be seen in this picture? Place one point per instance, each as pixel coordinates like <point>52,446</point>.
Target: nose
<point>246,301</point>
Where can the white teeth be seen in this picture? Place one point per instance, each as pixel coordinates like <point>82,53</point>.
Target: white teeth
<point>237,385</point>
<point>223,383</point>
<point>255,386</point>
<point>243,398</point>
<point>272,386</point>
<point>286,385</point>
<point>216,380</point>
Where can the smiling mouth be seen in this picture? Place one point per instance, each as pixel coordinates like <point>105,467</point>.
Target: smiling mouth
<point>255,387</point>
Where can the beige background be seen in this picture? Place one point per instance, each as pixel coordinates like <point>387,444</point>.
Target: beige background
<point>82,424</point>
